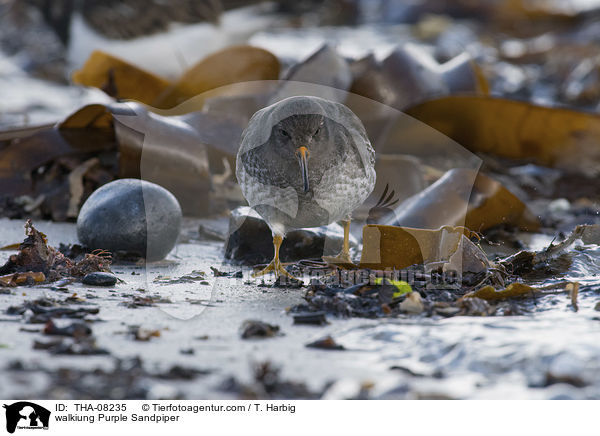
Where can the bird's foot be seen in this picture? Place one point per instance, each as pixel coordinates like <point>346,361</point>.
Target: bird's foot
<point>342,260</point>
<point>277,268</point>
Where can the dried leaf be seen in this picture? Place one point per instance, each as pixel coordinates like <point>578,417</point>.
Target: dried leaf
<point>550,136</point>
<point>93,116</point>
<point>76,185</point>
<point>588,234</point>
<point>120,78</point>
<point>231,65</point>
<point>400,247</point>
<point>35,165</point>
<point>21,278</point>
<point>35,255</point>
<point>573,289</point>
<point>513,290</point>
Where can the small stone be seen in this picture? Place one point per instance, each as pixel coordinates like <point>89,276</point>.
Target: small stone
<point>413,303</point>
<point>258,329</point>
<point>474,306</point>
<point>447,311</point>
<point>131,215</point>
<point>326,343</point>
<point>99,279</point>
<point>312,318</point>
<point>597,306</point>
<point>250,240</point>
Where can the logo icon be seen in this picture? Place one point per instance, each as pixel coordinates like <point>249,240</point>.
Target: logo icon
<point>26,415</point>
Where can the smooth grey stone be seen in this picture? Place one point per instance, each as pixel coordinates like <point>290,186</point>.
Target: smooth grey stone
<point>131,215</point>
<point>99,279</point>
<point>250,240</point>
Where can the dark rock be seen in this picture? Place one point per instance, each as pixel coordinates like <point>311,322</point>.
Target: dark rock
<point>46,309</point>
<point>312,318</point>
<point>131,215</point>
<point>82,347</point>
<point>178,372</point>
<point>76,329</point>
<point>268,384</point>
<point>258,329</point>
<point>327,343</point>
<point>251,242</point>
<point>287,282</point>
<point>99,279</point>
<point>476,307</point>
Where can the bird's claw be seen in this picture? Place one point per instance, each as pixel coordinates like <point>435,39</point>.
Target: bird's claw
<point>277,268</point>
<point>342,259</point>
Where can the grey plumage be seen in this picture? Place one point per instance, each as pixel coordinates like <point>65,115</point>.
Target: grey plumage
<point>341,162</point>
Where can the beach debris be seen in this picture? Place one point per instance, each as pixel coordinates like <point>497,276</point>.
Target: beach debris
<point>81,346</point>
<point>218,273</point>
<point>143,334</point>
<point>268,383</point>
<point>311,318</point>
<point>419,246</point>
<point>573,290</point>
<point>42,310</point>
<point>253,329</point>
<point>179,372</point>
<point>551,136</point>
<point>75,329</point>
<point>231,65</point>
<point>475,307</point>
<point>145,301</point>
<point>99,279</point>
<point>326,343</point>
<point>413,303</point>
<point>191,277</point>
<point>38,262</point>
<point>26,278</point>
<point>514,290</point>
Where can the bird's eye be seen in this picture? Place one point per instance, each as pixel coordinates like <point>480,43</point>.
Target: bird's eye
<point>284,133</point>
<point>318,129</point>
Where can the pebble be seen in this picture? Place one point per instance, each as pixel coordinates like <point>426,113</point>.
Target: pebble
<point>133,216</point>
<point>413,303</point>
<point>258,329</point>
<point>99,279</point>
<point>313,318</point>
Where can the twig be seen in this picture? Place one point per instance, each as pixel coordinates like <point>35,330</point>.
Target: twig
<point>573,289</point>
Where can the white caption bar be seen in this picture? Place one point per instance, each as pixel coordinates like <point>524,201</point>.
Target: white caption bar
<point>307,418</point>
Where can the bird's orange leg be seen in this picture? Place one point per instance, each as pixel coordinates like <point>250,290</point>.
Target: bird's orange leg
<point>275,266</point>
<point>344,256</point>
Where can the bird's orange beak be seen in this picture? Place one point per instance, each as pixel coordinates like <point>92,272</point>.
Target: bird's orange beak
<point>302,154</point>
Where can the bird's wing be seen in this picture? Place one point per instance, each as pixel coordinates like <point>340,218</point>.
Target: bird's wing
<point>264,184</point>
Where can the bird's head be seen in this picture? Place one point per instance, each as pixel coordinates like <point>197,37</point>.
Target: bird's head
<point>303,136</point>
